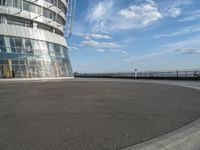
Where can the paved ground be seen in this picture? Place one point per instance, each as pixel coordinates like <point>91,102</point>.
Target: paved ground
<point>91,115</point>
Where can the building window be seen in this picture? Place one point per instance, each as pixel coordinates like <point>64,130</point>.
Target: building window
<point>57,50</point>
<point>35,9</point>
<point>2,45</point>
<point>49,14</point>
<point>44,27</point>
<point>61,6</point>
<point>28,46</point>
<point>60,20</point>
<point>17,3</point>
<point>18,44</point>
<point>26,6</point>
<point>19,22</point>
<point>9,2</point>
<point>2,2</point>
<point>36,47</point>
<point>7,44</point>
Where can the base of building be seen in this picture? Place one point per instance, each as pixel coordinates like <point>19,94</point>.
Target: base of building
<point>35,79</point>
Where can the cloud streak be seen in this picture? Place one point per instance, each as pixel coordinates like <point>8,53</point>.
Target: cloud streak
<point>73,48</point>
<point>192,16</point>
<point>189,46</point>
<point>100,45</point>
<point>188,50</point>
<point>92,36</point>
<point>182,31</point>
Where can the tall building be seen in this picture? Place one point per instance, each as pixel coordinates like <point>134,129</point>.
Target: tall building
<point>32,43</point>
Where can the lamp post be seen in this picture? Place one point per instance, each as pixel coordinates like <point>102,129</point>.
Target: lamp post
<point>135,73</point>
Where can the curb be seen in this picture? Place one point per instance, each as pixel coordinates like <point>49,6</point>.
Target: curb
<point>185,138</point>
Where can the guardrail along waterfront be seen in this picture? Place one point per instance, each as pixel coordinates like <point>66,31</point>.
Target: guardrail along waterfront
<point>171,74</point>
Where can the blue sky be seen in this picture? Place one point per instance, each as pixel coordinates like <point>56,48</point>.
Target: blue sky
<point>121,35</point>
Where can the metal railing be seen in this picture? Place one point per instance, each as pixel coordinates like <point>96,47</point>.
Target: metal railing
<point>171,74</point>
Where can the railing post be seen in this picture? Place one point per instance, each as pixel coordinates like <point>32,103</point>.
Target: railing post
<point>177,74</point>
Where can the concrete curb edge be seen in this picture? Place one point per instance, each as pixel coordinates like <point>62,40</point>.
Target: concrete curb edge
<point>185,138</point>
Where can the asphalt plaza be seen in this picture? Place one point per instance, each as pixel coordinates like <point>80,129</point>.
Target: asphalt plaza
<point>89,115</point>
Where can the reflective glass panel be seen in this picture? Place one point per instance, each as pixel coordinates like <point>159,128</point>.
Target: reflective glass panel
<point>7,44</point>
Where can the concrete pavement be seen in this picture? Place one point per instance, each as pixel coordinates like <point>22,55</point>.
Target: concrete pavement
<point>91,114</point>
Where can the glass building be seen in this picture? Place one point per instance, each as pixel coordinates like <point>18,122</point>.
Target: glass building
<point>32,43</point>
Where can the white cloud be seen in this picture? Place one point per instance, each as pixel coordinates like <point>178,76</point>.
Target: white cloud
<point>99,14</point>
<point>100,10</point>
<point>188,46</point>
<point>173,8</point>
<point>128,40</point>
<point>154,54</point>
<point>124,52</point>
<point>73,48</point>
<point>140,11</point>
<point>105,17</point>
<point>100,50</point>
<point>147,56</point>
<point>100,45</point>
<point>127,14</point>
<point>129,59</point>
<point>192,16</point>
<point>93,36</point>
<point>174,12</point>
<point>188,50</point>
<point>99,36</point>
<point>182,31</point>
<point>138,16</point>
<point>108,15</point>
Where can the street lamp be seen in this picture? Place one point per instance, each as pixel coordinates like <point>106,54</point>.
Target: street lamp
<point>135,72</point>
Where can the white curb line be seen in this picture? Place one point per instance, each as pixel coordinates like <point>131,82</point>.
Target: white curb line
<point>185,138</point>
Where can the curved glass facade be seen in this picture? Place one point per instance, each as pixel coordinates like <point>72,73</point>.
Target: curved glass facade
<point>28,58</point>
<point>32,43</point>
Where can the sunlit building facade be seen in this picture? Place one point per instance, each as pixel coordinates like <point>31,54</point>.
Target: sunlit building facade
<point>32,43</point>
